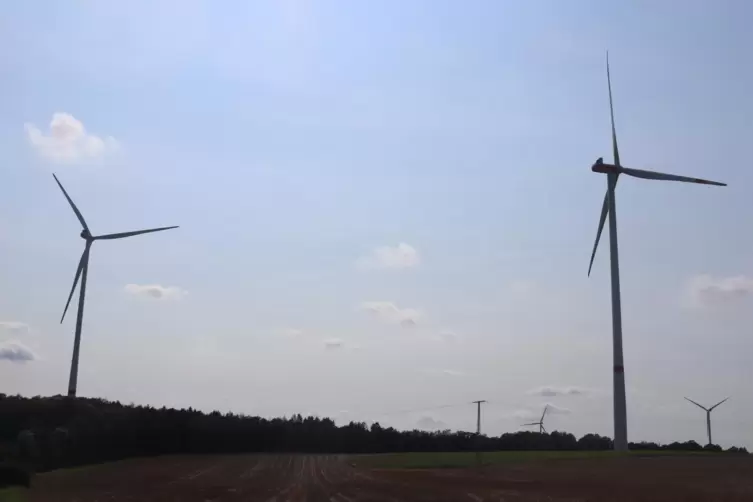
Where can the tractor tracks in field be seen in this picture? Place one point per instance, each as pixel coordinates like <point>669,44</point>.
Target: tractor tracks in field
<point>268,478</point>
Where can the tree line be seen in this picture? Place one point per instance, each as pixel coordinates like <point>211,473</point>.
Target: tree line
<point>52,432</point>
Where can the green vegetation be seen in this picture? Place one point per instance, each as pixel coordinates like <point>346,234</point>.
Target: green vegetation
<point>13,495</point>
<point>428,460</point>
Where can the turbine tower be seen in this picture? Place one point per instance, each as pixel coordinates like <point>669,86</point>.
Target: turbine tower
<point>708,414</point>
<point>82,272</point>
<point>478,415</point>
<point>540,423</point>
<point>613,172</point>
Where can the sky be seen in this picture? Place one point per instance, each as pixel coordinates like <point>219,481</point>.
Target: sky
<point>386,209</point>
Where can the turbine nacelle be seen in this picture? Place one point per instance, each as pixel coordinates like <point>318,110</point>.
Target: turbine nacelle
<point>89,238</point>
<point>600,167</point>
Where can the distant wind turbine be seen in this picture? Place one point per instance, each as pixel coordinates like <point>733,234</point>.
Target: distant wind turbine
<point>81,271</point>
<point>540,423</point>
<point>613,172</point>
<point>708,414</point>
<point>478,415</point>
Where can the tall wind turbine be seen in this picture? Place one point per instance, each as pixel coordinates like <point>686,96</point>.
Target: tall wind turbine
<point>613,172</point>
<point>708,414</point>
<point>478,415</point>
<point>82,272</point>
<point>540,423</point>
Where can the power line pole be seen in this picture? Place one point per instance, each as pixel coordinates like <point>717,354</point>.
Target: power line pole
<point>478,415</point>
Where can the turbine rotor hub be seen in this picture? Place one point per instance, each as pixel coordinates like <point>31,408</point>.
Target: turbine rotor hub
<point>86,235</point>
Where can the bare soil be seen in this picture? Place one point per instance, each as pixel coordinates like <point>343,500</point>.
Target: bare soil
<point>332,478</point>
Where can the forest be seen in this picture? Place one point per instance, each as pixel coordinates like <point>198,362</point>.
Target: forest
<point>52,432</point>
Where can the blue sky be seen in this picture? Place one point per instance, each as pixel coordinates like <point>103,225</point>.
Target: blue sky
<point>299,143</point>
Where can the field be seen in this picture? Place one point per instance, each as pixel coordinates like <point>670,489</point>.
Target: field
<point>431,460</point>
<point>509,476</point>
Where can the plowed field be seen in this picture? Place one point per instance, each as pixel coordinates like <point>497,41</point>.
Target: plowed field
<point>332,478</point>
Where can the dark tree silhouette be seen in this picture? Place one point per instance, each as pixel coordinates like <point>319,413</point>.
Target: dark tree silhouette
<point>44,433</point>
<point>14,475</point>
<point>595,442</point>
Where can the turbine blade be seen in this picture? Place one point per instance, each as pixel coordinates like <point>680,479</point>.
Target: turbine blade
<point>534,423</point>
<point>616,153</point>
<point>702,407</point>
<point>542,415</point>
<point>543,430</point>
<point>717,404</point>
<point>73,206</point>
<point>654,175</point>
<point>602,219</point>
<point>611,113</point>
<point>81,265</point>
<point>130,234</point>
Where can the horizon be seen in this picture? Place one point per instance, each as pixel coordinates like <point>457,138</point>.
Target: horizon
<point>426,428</point>
<point>381,209</point>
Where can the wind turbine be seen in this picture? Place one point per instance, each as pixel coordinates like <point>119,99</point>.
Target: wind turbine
<point>478,415</point>
<point>708,414</point>
<point>540,423</point>
<point>81,272</point>
<point>613,172</point>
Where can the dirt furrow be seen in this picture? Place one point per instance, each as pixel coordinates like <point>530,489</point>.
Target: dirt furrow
<point>332,478</point>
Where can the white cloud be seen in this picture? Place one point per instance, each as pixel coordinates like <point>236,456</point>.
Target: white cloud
<point>553,409</point>
<point>14,328</point>
<point>445,372</point>
<point>551,391</point>
<point>449,336</point>
<point>156,291</point>
<point>430,424</point>
<point>520,414</point>
<point>391,313</point>
<point>401,256</point>
<point>333,343</point>
<point>453,372</point>
<point>522,287</point>
<point>709,291</point>
<point>535,414</point>
<point>291,333</point>
<point>68,142</point>
<point>16,352</point>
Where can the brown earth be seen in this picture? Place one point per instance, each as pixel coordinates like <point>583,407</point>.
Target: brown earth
<point>331,478</point>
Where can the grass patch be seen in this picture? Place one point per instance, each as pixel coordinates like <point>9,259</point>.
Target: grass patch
<point>13,494</point>
<point>435,460</point>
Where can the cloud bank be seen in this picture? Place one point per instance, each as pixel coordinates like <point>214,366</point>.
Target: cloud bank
<point>391,313</point>
<point>16,352</point>
<point>385,257</point>
<point>445,372</point>
<point>429,424</point>
<point>553,409</point>
<point>552,391</point>
<point>709,291</point>
<point>535,414</point>
<point>68,142</point>
<point>292,333</point>
<point>14,328</point>
<point>333,343</point>
<point>156,291</point>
